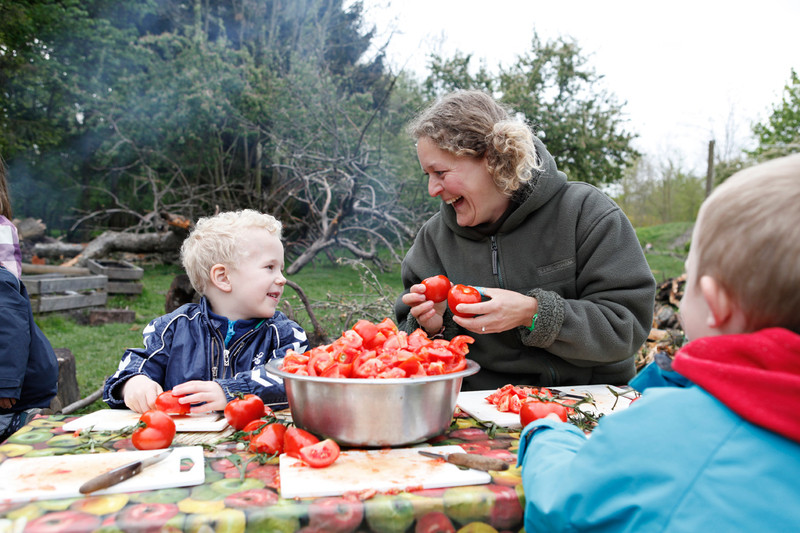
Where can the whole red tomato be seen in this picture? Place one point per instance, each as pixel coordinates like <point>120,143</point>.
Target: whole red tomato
<point>295,439</point>
<point>321,454</point>
<point>243,409</point>
<point>462,294</point>
<point>436,288</point>
<point>168,402</point>
<point>269,440</point>
<point>157,431</point>
<point>536,409</point>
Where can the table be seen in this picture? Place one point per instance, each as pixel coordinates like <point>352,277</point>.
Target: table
<point>226,502</point>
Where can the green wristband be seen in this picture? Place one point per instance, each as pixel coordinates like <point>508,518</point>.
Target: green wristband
<point>533,322</point>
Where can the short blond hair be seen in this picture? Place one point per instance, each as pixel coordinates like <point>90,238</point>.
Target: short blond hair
<point>215,240</point>
<point>472,123</point>
<point>749,241</point>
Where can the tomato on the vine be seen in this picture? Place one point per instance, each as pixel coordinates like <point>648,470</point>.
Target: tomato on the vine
<point>436,288</point>
<point>321,454</point>
<point>296,439</point>
<point>243,409</point>
<point>156,431</point>
<point>536,409</point>
<point>168,402</point>
<point>462,294</point>
<point>269,440</point>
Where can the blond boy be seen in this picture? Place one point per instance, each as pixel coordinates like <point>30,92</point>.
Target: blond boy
<point>210,351</point>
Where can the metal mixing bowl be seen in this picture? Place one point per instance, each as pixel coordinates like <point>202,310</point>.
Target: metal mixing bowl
<point>373,412</point>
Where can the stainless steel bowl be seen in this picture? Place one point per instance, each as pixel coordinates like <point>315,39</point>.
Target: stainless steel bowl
<point>373,412</point>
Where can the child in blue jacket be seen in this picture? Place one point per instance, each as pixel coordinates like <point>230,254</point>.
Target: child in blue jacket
<point>713,444</point>
<point>210,351</point>
<point>28,365</point>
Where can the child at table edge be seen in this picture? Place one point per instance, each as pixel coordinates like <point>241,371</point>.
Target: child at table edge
<point>209,351</point>
<point>28,365</point>
<point>714,441</point>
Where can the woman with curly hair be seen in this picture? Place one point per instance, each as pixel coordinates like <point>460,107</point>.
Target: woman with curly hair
<point>567,293</point>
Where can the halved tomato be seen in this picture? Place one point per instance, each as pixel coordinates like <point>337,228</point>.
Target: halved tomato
<point>321,454</point>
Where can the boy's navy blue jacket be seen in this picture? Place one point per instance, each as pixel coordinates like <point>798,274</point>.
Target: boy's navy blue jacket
<point>28,365</point>
<point>189,344</point>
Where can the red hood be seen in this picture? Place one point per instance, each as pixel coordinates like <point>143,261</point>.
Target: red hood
<point>756,375</point>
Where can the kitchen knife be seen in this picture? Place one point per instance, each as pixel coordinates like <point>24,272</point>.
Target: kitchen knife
<point>121,473</point>
<point>470,460</point>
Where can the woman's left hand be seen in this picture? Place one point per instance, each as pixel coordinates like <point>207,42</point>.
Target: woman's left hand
<point>500,311</point>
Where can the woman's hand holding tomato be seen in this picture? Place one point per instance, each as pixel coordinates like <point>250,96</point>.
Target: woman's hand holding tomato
<point>155,430</point>
<point>500,310</point>
<point>427,302</point>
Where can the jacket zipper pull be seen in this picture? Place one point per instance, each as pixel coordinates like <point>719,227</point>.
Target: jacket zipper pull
<point>226,358</point>
<point>494,256</point>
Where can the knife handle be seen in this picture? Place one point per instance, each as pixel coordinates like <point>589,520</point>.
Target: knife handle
<point>111,477</point>
<point>478,462</point>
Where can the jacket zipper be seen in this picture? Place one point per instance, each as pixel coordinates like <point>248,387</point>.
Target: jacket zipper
<point>495,262</point>
<point>235,349</point>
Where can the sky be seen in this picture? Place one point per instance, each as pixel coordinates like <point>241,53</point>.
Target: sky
<point>687,71</point>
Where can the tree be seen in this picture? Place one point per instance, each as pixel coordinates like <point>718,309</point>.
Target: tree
<point>581,123</point>
<point>779,135</point>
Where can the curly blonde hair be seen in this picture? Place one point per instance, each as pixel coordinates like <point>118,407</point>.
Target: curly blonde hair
<point>472,123</point>
<point>216,240</point>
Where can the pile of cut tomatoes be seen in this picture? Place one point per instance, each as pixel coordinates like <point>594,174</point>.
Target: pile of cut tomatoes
<point>532,403</point>
<point>369,350</point>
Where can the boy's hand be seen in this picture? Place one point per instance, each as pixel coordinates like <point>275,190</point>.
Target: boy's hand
<point>140,392</point>
<point>208,394</point>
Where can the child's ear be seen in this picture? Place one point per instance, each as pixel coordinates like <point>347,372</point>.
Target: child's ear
<point>720,305</point>
<point>218,276</point>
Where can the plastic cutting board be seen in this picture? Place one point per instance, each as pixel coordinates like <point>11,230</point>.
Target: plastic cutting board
<point>60,476</point>
<point>474,403</point>
<point>116,419</point>
<point>384,469</point>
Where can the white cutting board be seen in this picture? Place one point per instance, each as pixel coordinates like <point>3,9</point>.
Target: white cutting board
<point>116,419</point>
<point>60,476</point>
<point>474,403</point>
<point>382,470</point>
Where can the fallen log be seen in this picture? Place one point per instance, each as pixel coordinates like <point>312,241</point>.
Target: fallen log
<point>57,249</point>
<point>115,241</point>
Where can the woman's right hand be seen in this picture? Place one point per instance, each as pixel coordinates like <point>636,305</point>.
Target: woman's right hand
<point>429,315</point>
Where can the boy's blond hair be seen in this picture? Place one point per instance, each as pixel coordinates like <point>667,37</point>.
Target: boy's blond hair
<point>749,241</point>
<point>215,240</point>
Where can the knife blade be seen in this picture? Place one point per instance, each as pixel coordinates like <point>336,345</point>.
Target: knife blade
<point>469,460</point>
<point>121,473</point>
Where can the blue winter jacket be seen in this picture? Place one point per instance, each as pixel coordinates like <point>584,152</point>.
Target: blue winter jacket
<point>676,460</point>
<point>189,344</point>
<point>28,365</point>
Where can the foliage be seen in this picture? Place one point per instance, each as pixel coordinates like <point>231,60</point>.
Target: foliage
<point>552,86</point>
<point>779,135</point>
<point>651,196</point>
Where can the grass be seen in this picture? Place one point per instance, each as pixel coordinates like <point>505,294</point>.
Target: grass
<point>340,294</point>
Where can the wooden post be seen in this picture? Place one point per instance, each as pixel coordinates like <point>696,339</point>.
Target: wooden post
<point>710,169</point>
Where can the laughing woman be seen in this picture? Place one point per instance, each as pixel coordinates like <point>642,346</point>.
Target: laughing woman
<point>567,293</point>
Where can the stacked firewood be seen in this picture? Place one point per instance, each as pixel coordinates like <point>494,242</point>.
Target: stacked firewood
<point>666,334</point>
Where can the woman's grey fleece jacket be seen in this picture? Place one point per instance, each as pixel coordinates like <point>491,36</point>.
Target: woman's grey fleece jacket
<point>572,248</point>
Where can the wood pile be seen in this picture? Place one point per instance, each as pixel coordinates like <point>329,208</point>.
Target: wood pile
<point>666,334</point>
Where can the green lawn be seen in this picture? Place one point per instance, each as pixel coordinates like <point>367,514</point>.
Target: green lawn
<point>340,295</point>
